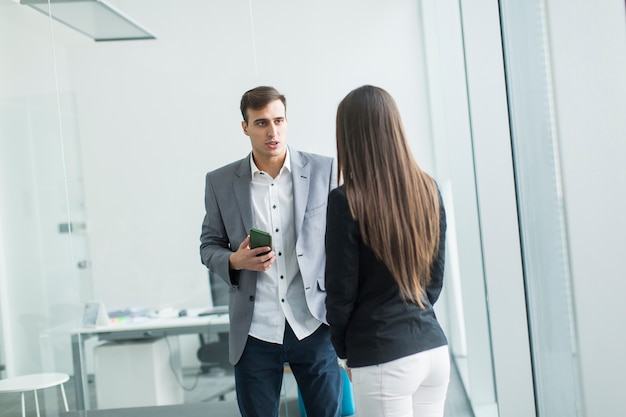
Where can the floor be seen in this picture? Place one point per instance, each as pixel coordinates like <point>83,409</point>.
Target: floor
<point>204,395</point>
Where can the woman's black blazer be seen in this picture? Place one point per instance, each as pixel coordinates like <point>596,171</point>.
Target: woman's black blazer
<point>369,322</point>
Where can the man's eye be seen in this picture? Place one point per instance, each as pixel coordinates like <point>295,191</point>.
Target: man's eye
<point>279,121</point>
<point>260,123</point>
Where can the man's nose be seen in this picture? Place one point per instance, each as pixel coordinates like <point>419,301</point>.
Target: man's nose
<point>272,130</point>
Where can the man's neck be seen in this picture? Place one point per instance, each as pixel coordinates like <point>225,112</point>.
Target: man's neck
<point>270,165</point>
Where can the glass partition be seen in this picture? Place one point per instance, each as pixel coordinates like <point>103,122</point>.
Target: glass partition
<point>42,215</point>
<point>535,139</point>
<point>466,302</point>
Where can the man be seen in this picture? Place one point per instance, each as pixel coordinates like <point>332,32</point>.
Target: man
<point>277,298</point>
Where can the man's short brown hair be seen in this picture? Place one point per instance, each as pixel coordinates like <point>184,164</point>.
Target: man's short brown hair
<point>259,97</point>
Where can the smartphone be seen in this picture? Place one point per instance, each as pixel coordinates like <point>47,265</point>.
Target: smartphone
<point>260,238</point>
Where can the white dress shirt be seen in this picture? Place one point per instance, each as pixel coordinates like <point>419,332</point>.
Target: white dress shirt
<point>279,290</point>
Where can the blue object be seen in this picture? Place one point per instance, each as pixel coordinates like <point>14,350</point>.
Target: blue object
<point>347,399</point>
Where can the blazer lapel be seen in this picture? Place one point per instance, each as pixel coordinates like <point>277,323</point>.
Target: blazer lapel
<point>300,177</point>
<point>241,189</point>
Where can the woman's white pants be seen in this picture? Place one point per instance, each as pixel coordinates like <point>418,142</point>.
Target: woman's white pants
<point>413,386</point>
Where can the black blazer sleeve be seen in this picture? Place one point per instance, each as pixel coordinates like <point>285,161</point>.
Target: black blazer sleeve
<point>342,267</point>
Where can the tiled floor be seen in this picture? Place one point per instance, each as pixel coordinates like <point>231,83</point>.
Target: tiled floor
<point>206,388</point>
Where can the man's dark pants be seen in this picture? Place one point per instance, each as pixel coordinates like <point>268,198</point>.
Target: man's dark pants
<point>313,361</point>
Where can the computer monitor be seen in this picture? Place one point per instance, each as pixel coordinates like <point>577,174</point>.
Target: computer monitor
<point>219,295</point>
<point>219,290</point>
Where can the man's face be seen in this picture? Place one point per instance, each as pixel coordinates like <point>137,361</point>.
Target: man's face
<point>267,129</point>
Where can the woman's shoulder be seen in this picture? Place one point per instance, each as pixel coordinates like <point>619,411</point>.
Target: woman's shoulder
<point>338,203</point>
<point>338,195</point>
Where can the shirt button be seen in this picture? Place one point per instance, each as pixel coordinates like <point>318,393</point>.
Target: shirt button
<point>280,253</point>
<point>274,206</point>
<point>282,300</point>
<point>282,277</point>
<point>277,229</point>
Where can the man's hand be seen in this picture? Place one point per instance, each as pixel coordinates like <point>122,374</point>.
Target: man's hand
<point>246,258</point>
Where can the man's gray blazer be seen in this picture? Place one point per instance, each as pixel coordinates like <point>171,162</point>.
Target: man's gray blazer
<point>228,220</point>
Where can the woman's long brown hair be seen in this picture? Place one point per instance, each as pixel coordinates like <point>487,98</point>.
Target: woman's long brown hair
<point>395,203</point>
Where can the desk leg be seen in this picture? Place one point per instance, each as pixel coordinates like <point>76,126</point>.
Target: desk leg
<point>80,373</point>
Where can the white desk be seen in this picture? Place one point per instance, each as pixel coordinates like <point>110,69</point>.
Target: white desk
<point>136,330</point>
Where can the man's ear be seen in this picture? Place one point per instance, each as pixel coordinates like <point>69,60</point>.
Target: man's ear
<point>244,126</point>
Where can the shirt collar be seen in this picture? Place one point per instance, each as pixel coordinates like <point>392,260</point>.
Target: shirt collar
<point>286,165</point>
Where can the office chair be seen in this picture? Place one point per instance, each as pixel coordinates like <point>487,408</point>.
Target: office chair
<point>214,354</point>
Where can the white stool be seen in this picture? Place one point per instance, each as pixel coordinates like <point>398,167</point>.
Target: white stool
<point>33,383</point>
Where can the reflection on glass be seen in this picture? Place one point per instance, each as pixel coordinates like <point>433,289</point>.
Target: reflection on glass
<point>39,278</point>
<point>466,298</point>
<point>541,210</point>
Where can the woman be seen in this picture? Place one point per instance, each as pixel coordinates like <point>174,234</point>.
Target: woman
<point>385,246</point>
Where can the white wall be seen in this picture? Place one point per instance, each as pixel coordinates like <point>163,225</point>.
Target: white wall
<point>155,116</point>
<point>588,49</point>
